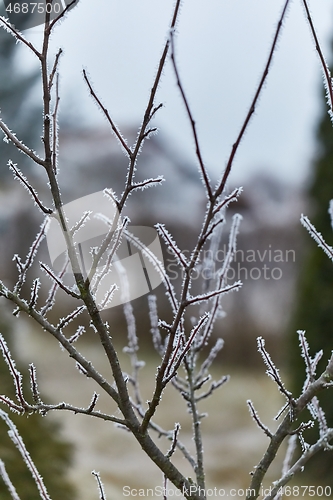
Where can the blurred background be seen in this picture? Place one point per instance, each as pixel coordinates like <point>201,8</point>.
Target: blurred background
<point>284,165</point>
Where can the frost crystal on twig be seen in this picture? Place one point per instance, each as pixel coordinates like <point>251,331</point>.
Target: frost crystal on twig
<point>172,245</point>
<point>316,235</point>
<point>257,420</point>
<point>25,183</point>
<point>17,440</point>
<point>11,488</point>
<point>100,485</point>
<point>16,375</point>
<point>23,268</point>
<point>33,384</point>
<point>272,371</point>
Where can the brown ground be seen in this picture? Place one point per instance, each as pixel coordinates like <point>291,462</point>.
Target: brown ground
<point>233,444</point>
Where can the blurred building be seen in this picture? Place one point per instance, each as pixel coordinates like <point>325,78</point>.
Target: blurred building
<point>268,253</point>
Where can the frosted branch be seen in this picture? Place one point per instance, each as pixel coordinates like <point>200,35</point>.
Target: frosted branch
<point>299,465</point>
<point>33,384</point>
<point>272,371</point>
<point>214,385</point>
<point>13,31</point>
<point>58,281</point>
<point>50,301</point>
<point>252,109</point>
<point>172,245</point>
<point>221,291</point>
<point>70,317</point>
<point>232,197</point>
<point>155,332</point>
<point>326,72</point>
<point>114,128</point>
<point>80,330</point>
<point>310,364</point>
<point>7,481</point>
<point>317,236</point>
<point>34,293</point>
<point>17,440</point>
<point>148,183</point>
<point>159,268</point>
<point>257,420</point>
<point>61,15</point>
<point>100,485</point>
<point>19,144</point>
<point>23,268</point>
<point>203,169</point>
<point>14,372</point>
<point>174,441</point>
<point>178,355</point>
<point>18,174</point>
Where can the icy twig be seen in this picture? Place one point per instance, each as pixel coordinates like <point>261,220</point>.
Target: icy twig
<point>147,183</point>
<point>14,372</point>
<point>256,418</point>
<point>316,235</point>
<point>7,481</point>
<point>252,109</point>
<point>61,15</point>
<point>17,440</point>
<point>172,245</point>
<point>233,196</point>
<point>11,29</point>
<point>33,384</point>
<point>55,139</point>
<point>58,281</point>
<point>115,129</point>
<point>100,485</point>
<point>23,268</point>
<point>179,354</point>
<point>206,296</point>
<point>299,465</point>
<point>214,385</point>
<point>19,144</point>
<point>327,74</point>
<point>272,371</point>
<point>70,317</point>
<point>158,266</point>
<point>18,174</point>
<point>203,169</point>
<point>50,301</point>
<point>155,332</point>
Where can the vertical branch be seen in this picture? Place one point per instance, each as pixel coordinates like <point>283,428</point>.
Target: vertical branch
<point>325,68</point>
<point>149,113</point>
<point>11,488</point>
<point>192,121</point>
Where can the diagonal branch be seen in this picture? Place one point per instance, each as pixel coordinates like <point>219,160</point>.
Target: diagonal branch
<point>252,109</point>
<point>203,169</point>
<point>115,129</point>
<point>22,147</point>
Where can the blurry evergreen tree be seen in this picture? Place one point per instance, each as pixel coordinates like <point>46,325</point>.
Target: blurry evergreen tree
<point>314,304</point>
<point>17,107</point>
<point>50,453</point>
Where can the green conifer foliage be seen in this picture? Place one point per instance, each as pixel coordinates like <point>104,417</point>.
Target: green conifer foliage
<point>51,455</point>
<point>314,305</point>
<point>16,103</point>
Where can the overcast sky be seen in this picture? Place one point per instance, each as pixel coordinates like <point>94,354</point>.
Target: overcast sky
<point>222,47</point>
